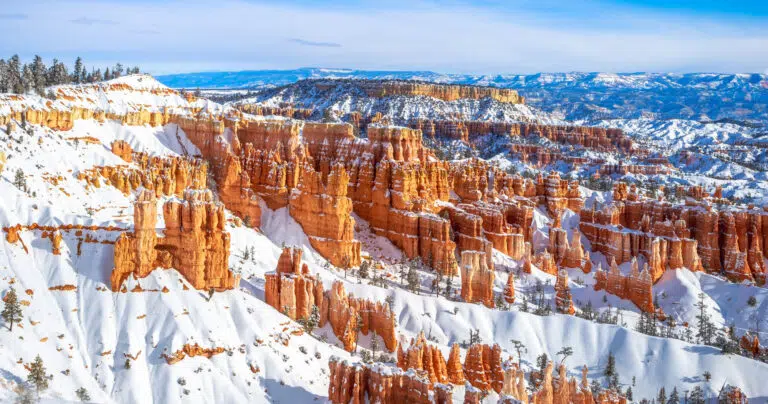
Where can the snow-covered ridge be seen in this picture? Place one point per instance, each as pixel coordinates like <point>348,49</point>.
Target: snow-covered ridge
<point>128,94</point>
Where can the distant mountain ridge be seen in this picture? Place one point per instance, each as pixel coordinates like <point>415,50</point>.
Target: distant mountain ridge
<point>573,96</point>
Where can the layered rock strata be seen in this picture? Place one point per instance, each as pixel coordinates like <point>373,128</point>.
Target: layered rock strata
<point>636,287</point>
<point>195,242</point>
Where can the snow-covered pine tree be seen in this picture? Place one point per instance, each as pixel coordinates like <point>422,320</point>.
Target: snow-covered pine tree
<point>12,311</point>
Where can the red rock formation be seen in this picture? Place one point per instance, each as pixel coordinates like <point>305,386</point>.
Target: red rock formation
<point>563,299</point>
<point>344,312</point>
<point>509,290</point>
<point>191,351</point>
<point>475,367</point>
<point>445,92</point>
<point>122,149</point>
<point>379,383</point>
<point>323,210</point>
<point>195,243</point>
<point>731,395</point>
<point>637,287</point>
<point>290,289</point>
<point>164,175</point>
<point>476,278</point>
<point>424,357</point>
<point>453,366</point>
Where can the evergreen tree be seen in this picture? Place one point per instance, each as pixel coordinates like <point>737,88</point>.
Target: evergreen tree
<point>77,74</point>
<point>662,397</point>
<point>127,364</point>
<point>117,71</point>
<point>520,348</point>
<point>3,76</point>
<point>628,394</point>
<point>610,367</point>
<point>474,337</point>
<point>82,394</point>
<point>707,376</point>
<point>27,79</point>
<point>37,376</point>
<point>412,277</point>
<point>38,75</point>
<point>96,76</point>
<point>15,83</point>
<point>374,344</point>
<point>674,397</point>
<point>566,352</point>
<point>107,74</point>
<point>363,270</point>
<point>313,320</point>
<point>705,331</point>
<point>12,311</point>
<point>697,396</point>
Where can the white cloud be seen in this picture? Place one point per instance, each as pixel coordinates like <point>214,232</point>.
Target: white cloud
<point>230,35</point>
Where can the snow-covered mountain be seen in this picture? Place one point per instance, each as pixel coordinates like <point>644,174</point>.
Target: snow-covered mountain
<point>85,332</point>
<point>699,96</point>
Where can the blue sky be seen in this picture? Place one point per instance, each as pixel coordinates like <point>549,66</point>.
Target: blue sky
<point>480,36</point>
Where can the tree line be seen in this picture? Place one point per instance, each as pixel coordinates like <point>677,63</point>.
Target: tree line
<point>19,78</point>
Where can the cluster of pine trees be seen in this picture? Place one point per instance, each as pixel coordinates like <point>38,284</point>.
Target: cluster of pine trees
<point>19,78</point>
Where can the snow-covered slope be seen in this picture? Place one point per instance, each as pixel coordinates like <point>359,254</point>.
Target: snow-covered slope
<point>85,335</point>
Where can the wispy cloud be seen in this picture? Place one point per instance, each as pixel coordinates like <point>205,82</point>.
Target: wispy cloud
<point>524,36</point>
<point>145,31</point>
<point>92,21</point>
<point>304,42</point>
<point>13,16</point>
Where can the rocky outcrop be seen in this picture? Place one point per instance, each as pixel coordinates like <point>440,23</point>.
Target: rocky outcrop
<point>166,176</point>
<point>445,92</point>
<point>509,289</point>
<point>195,242</point>
<point>423,357</point>
<point>323,210</point>
<point>636,287</point>
<point>563,298</point>
<point>567,254</point>
<point>476,279</point>
<point>290,289</point>
<point>191,351</point>
<point>122,149</point>
<point>380,383</point>
<point>344,313</point>
<point>453,366</point>
<point>731,395</point>
<point>674,236</point>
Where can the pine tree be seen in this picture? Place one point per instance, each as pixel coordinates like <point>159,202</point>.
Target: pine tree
<point>27,79</point>
<point>127,363</point>
<point>107,74</point>
<point>566,352</point>
<point>374,344</point>
<point>82,393</point>
<point>38,75</point>
<point>313,320</point>
<point>610,367</point>
<point>674,397</point>
<point>15,82</point>
<point>412,277</point>
<point>363,270</point>
<point>697,396</point>
<point>117,71</point>
<point>12,311</point>
<point>628,394</point>
<point>662,397</point>
<point>77,75</point>
<point>37,375</point>
<point>707,376</point>
<point>3,76</point>
<point>520,348</point>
